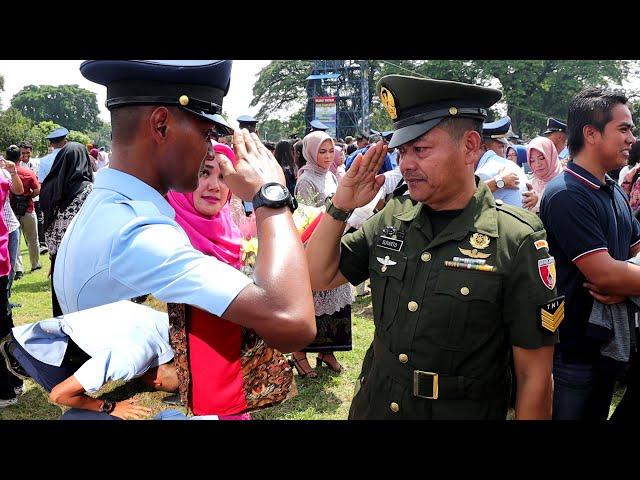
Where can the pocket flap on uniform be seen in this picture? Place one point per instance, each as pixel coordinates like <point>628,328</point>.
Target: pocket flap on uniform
<point>387,263</point>
<point>469,285</point>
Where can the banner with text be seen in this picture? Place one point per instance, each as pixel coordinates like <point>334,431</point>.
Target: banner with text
<point>326,113</point>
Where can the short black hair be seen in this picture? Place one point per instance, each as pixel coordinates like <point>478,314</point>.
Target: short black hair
<point>25,144</point>
<point>13,153</point>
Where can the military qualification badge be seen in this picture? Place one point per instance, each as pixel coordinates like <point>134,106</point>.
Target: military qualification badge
<point>478,241</point>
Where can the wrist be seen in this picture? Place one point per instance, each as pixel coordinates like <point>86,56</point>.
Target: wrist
<point>334,211</point>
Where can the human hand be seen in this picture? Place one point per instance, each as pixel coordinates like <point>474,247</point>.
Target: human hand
<point>9,166</point>
<point>361,182</point>
<point>128,410</point>
<point>511,180</point>
<point>255,166</point>
<point>529,198</point>
<point>606,298</point>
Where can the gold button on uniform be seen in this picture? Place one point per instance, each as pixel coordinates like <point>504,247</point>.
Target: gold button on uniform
<point>412,306</point>
<point>394,407</point>
<point>426,256</point>
<point>464,291</point>
<point>403,358</point>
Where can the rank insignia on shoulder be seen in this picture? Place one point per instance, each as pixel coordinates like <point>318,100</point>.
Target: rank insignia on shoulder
<point>550,315</point>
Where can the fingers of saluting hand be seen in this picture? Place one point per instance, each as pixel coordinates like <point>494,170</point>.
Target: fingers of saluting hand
<point>371,161</point>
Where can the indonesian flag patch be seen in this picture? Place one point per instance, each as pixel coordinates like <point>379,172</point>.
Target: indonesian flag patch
<point>547,270</point>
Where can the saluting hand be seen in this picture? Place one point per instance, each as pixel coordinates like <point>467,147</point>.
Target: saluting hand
<point>361,182</point>
<point>255,166</point>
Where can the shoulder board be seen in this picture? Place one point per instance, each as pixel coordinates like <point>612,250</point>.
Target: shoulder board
<point>524,216</point>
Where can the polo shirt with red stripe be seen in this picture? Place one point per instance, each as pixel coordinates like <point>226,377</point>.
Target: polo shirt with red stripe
<point>582,216</point>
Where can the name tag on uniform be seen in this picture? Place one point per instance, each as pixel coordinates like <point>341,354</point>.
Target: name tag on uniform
<point>390,243</point>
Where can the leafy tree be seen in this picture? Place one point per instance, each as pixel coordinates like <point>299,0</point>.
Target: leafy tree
<point>69,105</point>
<point>14,127</point>
<point>532,89</point>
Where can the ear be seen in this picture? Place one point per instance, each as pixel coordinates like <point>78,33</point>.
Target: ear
<point>471,143</point>
<point>589,133</point>
<point>158,123</point>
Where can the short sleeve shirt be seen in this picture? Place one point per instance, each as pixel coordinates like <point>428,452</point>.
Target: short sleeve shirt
<point>124,243</point>
<point>583,216</point>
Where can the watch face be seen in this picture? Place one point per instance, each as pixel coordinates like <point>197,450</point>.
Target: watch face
<point>275,193</point>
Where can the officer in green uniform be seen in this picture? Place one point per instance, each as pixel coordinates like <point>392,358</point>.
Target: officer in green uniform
<point>458,279</point>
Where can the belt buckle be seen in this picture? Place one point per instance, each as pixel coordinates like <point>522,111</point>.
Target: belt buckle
<point>416,384</point>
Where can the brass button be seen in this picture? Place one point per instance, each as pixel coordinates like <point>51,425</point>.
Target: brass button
<point>464,291</point>
<point>394,407</point>
<point>426,256</point>
<point>403,358</point>
<point>412,306</point>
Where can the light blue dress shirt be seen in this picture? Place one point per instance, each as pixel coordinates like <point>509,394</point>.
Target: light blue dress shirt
<point>123,339</point>
<point>46,163</point>
<point>124,242</point>
<point>488,167</point>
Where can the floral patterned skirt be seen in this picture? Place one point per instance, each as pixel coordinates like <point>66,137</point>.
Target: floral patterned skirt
<point>334,332</point>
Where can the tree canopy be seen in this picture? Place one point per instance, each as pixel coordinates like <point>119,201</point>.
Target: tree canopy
<point>69,105</point>
<point>533,90</point>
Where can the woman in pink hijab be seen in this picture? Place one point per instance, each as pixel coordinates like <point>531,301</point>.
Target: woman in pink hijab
<point>337,166</point>
<point>209,349</point>
<point>542,157</point>
<point>332,307</point>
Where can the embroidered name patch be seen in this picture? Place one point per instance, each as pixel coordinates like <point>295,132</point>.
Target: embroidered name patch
<point>390,243</point>
<point>551,314</point>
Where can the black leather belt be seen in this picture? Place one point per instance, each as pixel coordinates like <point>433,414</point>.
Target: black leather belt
<point>427,384</point>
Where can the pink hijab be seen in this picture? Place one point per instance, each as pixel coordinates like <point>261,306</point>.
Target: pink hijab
<point>333,168</point>
<point>217,236</point>
<point>310,146</point>
<point>548,149</point>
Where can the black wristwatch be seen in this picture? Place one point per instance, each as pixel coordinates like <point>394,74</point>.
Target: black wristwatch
<point>274,195</point>
<point>340,215</point>
<point>107,406</point>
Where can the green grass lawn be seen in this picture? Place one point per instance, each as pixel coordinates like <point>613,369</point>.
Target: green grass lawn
<point>326,398</point>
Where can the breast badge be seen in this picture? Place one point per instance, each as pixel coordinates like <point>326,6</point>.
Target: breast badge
<point>386,261</point>
<point>547,271</point>
<point>478,241</point>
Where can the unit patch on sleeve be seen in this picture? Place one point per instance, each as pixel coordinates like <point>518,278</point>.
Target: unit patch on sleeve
<point>550,315</point>
<point>547,271</point>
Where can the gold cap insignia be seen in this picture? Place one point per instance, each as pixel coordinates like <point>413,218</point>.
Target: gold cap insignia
<point>184,100</point>
<point>453,110</point>
<point>389,102</point>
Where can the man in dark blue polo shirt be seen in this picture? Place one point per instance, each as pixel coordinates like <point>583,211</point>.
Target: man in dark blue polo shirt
<point>591,231</point>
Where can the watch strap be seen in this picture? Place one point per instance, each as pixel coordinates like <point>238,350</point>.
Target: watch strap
<point>331,209</point>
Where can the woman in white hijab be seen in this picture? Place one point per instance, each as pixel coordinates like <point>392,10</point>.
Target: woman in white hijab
<point>332,307</point>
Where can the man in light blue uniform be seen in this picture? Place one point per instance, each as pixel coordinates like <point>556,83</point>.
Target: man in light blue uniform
<point>493,167</point>
<point>125,243</point>
<point>57,139</point>
<point>80,352</point>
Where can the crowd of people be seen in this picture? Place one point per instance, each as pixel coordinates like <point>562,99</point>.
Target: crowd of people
<point>501,274</point>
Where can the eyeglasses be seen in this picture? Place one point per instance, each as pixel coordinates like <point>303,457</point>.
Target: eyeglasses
<point>512,155</point>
